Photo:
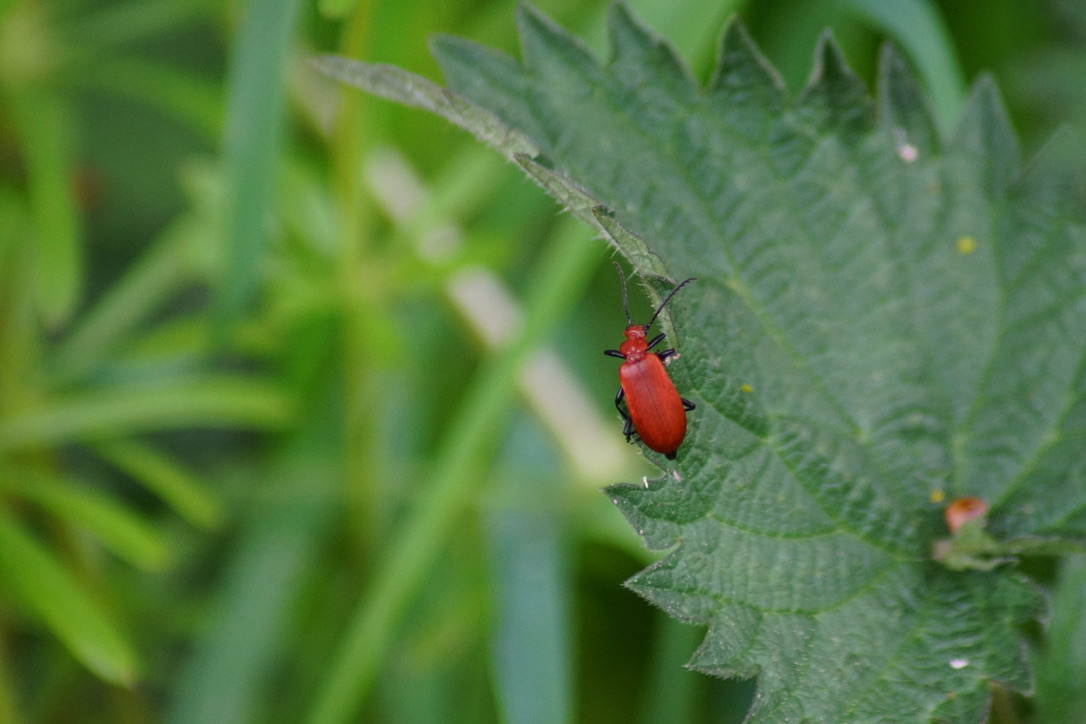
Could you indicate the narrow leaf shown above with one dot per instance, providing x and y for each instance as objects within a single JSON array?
[
  {"x": 46, "y": 589},
  {"x": 119, "y": 529},
  {"x": 42, "y": 121},
  {"x": 251, "y": 138},
  {"x": 212, "y": 402},
  {"x": 835, "y": 95},
  {"x": 399, "y": 85},
  {"x": 165, "y": 477}
]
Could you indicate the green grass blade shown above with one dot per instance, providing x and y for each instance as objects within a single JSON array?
[
  {"x": 142, "y": 290},
  {"x": 532, "y": 640},
  {"x": 194, "y": 100},
  {"x": 209, "y": 401},
  {"x": 254, "y": 125},
  {"x": 225, "y": 678},
  {"x": 41, "y": 121},
  {"x": 119, "y": 529},
  {"x": 114, "y": 24},
  {"x": 165, "y": 477},
  {"x": 43, "y": 586},
  {"x": 672, "y": 691},
  {"x": 1061, "y": 665},
  {"x": 455, "y": 481}
]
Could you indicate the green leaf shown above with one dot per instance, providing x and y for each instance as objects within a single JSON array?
[
  {"x": 42, "y": 119},
  {"x": 45, "y": 588},
  {"x": 119, "y": 529},
  {"x": 212, "y": 401},
  {"x": 282, "y": 533},
  {"x": 399, "y": 85},
  {"x": 251, "y": 139},
  {"x": 189, "y": 98},
  {"x": 165, "y": 477},
  {"x": 1061, "y": 675},
  {"x": 883, "y": 318}
]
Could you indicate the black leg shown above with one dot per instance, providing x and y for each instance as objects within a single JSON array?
[
  {"x": 687, "y": 404},
  {"x": 665, "y": 354},
  {"x": 656, "y": 340},
  {"x": 627, "y": 423}
]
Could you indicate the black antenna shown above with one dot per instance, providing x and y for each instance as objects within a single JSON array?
[
  {"x": 622, "y": 280},
  {"x": 668, "y": 299}
]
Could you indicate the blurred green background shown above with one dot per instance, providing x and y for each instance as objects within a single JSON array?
[{"x": 303, "y": 411}]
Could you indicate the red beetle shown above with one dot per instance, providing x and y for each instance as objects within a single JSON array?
[{"x": 655, "y": 410}]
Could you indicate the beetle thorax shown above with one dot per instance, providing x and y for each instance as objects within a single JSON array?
[{"x": 634, "y": 347}]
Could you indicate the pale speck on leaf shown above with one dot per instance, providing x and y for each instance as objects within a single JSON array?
[{"x": 966, "y": 245}]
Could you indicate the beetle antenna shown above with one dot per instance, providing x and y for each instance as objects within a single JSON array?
[
  {"x": 622, "y": 281},
  {"x": 668, "y": 299}
]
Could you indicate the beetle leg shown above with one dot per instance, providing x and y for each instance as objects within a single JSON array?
[
  {"x": 665, "y": 354},
  {"x": 687, "y": 404},
  {"x": 656, "y": 340},
  {"x": 627, "y": 423},
  {"x": 614, "y": 353},
  {"x": 619, "y": 397}
]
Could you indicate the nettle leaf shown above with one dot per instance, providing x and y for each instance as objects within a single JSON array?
[{"x": 884, "y": 319}]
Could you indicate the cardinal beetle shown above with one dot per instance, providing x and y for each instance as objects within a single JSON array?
[{"x": 655, "y": 411}]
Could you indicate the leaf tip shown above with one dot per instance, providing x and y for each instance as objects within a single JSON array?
[
  {"x": 985, "y": 132},
  {"x": 902, "y": 107},
  {"x": 834, "y": 94},
  {"x": 741, "y": 67},
  {"x": 532, "y": 24},
  {"x": 547, "y": 48},
  {"x": 639, "y": 51}
]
